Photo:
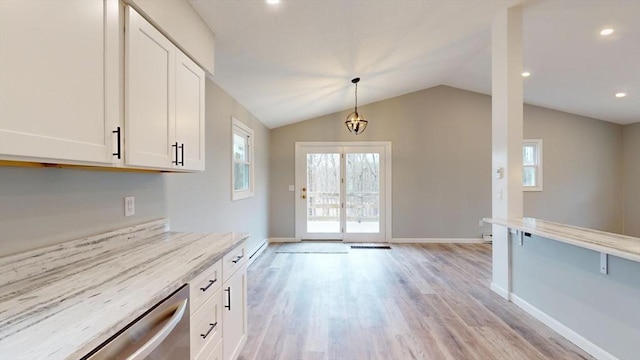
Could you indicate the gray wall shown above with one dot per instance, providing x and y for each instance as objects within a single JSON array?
[
  {"x": 631, "y": 179},
  {"x": 441, "y": 140},
  {"x": 44, "y": 206},
  {"x": 564, "y": 281},
  {"x": 582, "y": 170},
  {"x": 441, "y": 153},
  {"x": 202, "y": 201}
]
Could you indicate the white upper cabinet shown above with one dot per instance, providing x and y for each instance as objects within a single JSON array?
[
  {"x": 150, "y": 112},
  {"x": 164, "y": 107},
  {"x": 59, "y": 80},
  {"x": 190, "y": 101}
]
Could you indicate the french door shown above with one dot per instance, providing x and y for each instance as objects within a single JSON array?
[{"x": 343, "y": 191}]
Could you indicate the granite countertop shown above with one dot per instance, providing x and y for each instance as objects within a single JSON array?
[
  {"x": 62, "y": 301},
  {"x": 626, "y": 247}
]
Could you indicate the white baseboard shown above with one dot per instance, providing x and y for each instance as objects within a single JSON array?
[
  {"x": 435, "y": 241},
  {"x": 282, "y": 240},
  {"x": 500, "y": 291},
  {"x": 256, "y": 251},
  {"x": 583, "y": 343}
]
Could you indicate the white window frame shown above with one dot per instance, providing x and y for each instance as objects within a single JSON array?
[
  {"x": 239, "y": 128},
  {"x": 537, "y": 143}
]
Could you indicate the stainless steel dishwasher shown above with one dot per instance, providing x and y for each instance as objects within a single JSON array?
[{"x": 160, "y": 333}]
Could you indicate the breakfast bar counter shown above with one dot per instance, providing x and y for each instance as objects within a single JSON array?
[
  {"x": 583, "y": 283},
  {"x": 626, "y": 247}
]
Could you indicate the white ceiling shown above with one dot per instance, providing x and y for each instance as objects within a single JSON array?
[{"x": 294, "y": 61}]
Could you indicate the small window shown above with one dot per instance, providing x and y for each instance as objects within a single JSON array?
[
  {"x": 532, "y": 165},
  {"x": 242, "y": 153}
]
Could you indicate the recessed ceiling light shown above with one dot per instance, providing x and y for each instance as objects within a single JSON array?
[
  {"x": 526, "y": 74},
  {"x": 621, "y": 95},
  {"x": 606, "y": 32},
  {"x": 273, "y": 1}
]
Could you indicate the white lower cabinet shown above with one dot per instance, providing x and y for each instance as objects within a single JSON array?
[
  {"x": 206, "y": 327},
  {"x": 234, "y": 314},
  {"x": 214, "y": 354},
  {"x": 218, "y": 327}
]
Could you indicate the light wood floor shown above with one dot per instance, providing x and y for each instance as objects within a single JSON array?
[{"x": 411, "y": 302}]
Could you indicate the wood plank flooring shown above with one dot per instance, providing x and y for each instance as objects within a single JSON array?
[{"x": 412, "y": 302}]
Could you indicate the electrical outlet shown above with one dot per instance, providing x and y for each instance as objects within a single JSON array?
[
  {"x": 292, "y": 188},
  {"x": 129, "y": 206}
]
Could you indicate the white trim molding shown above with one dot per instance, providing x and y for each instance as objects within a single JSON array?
[
  {"x": 436, "y": 241},
  {"x": 579, "y": 340}
]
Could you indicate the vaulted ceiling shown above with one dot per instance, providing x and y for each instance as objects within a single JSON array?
[{"x": 294, "y": 60}]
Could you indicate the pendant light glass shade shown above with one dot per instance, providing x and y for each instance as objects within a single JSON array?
[{"x": 356, "y": 122}]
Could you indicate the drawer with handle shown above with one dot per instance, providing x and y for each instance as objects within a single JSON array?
[
  {"x": 205, "y": 285},
  {"x": 234, "y": 260},
  {"x": 206, "y": 325},
  {"x": 211, "y": 351}
]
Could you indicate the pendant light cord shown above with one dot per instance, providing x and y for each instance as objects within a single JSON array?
[{"x": 356, "y": 98}]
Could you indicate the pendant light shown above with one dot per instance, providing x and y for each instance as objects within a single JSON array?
[{"x": 356, "y": 123}]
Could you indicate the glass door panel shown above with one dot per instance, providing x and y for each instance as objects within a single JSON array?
[
  {"x": 323, "y": 211},
  {"x": 362, "y": 184},
  {"x": 342, "y": 191}
]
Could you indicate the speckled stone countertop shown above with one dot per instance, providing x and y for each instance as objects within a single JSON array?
[
  {"x": 62, "y": 301},
  {"x": 626, "y": 247}
]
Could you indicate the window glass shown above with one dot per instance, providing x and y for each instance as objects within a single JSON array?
[
  {"x": 241, "y": 178},
  {"x": 529, "y": 176},
  {"x": 239, "y": 147},
  {"x": 529, "y": 155}
]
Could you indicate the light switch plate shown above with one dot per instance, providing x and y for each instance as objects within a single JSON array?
[
  {"x": 129, "y": 206},
  {"x": 292, "y": 188}
]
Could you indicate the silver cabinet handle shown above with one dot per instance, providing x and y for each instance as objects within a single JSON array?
[
  {"x": 237, "y": 259},
  {"x": 146, "y": 349}
]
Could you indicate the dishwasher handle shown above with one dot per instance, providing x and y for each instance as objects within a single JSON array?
[{"x": 155, "y": 341}]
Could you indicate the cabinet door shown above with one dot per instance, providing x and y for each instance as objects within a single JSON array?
[
  {"x": 234, "y": 315},
  {"x": 150, "y": 79},
  {"x": 59, "y": 80},
  {"x": 190, "y": 100}
]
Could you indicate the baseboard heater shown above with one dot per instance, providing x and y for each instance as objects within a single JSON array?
[{"x": 371, "y": 247}]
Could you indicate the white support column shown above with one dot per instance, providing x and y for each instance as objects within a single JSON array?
[{"x": 507, "y": 108}]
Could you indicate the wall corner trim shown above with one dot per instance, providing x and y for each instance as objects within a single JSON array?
[
  {"x": 562, "y": 329},
  {"x": 436, "y": 241}
]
